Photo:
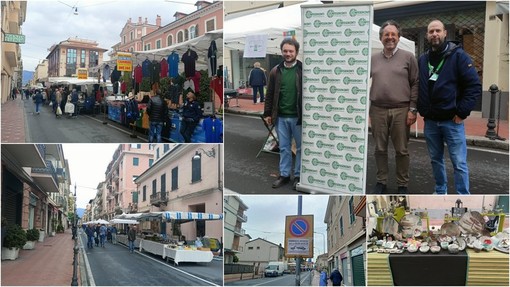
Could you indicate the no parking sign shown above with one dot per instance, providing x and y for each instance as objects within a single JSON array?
[{"x": 299, "y": 236}]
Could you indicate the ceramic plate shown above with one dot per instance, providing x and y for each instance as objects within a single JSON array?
[
  {"x": 450, "y": 229},
  {"x": 472, "y": 223}
]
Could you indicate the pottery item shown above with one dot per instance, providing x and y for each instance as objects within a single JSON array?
[
  {"x": 472, "y": 222},
  {"x": 444, "y": 245},
  {"x": 453, "y": 248},
  {"x": 462, "y": 243},
  {"x": 424, "y": 248},
  {"x": 412, "y": 248},
  {"x": 450, "y": 229},
  {"x": 435, "y": 249},
  {"x": 477, "y": 245}
]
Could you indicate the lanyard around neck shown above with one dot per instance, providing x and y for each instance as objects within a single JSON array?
[{"x": 436, "y": 70}]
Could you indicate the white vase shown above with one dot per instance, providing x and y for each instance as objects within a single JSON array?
[
  {"x": 29, "y": 245},
  {"x": 10, "y": 253},
  {"x": 41, "y": 236}
]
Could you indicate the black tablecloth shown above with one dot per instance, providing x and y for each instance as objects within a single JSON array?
[{"x": 421, "y": 269}]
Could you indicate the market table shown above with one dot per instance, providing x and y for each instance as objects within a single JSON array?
[
  {"x": 123, "y": 239},
  {"x": 182, "y": 255},
  {"x": 483, "y": 268},
  {"x": 152, "y": 247}
]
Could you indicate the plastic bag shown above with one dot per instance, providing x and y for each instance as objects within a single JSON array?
[{"x": 59, "y": 111}]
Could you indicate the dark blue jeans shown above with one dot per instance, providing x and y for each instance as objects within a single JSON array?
[
  {"x": 260, "y": 90},
  {"x": 155, "y": 132},
  {"x": 187, "y": 129}
]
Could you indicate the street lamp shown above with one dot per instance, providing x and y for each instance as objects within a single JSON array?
[
  {"x": 323, "y": 239},
  {"x": 211, "y": 153},
  {"x": 74, "y": 281}
]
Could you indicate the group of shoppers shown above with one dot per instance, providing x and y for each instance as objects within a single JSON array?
[{"x": 442, "y": 86}]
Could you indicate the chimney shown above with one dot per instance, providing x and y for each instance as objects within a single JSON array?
[
  {"x": 158, "y": 20},
  {"x": 139, "y": 20}
]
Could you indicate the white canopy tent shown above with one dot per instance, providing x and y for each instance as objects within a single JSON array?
[
  {"x": 72, "y": 80},
  {"x": 123, "y": 221},
  {"x": 274, "y": 22},
  {"x": 167, "y": 216}
]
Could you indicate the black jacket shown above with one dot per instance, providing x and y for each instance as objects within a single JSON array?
[
  {"x": 257, "y": 77},
  {"x": 157, "y": 109}
]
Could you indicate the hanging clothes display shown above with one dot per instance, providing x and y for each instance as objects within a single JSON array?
[
  {"x": 123, "y": 87},
  {"x": 173, "y": 65},
  {"x": 189, "y": 59},
  {"x": 106, "y": 73},
  {"x": 138, "y": 74},
  {"x": 155, "y": 70},
  {"x": 164, "y": 68},
  {"x": 173, "y": 93},
  {"x": 217, "y": 86},
  {"x": 212, "y": 52},
  {"x": 196, "y": 80},
  {"x": 115, "y": 76},
  {"x": 146, "y": 68},
  {"x": 188, "y": 84}
]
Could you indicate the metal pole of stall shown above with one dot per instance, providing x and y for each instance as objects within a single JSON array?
[{"x": 74, "y": 281}]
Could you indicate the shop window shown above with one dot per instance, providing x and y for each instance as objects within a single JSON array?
[
  {"x": 163, "y": 185},
  {"x": 175, "y": 178},
  {"x": 250, "y": 248},
  {"x": 158, "y": 44},
  {"x": 342, "y": 226},
  {"x": 352, "y": 217},
  {"x": 186, "y": 35},
  {"x": 166, "y": 147},
  {"x": 210, "y": 25},
  {"x": 154, "y": 184},
  {"x": 157, "y": 153},
  {"x": 196, "y": 169},
  {"x": 193, "y": 32},
  {"x": 135, "y": 161}
]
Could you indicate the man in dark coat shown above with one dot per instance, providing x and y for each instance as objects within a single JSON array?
[
  {"x": 336, "y": 277},
  {"x": 157, "y": 110},
  {"x": 257, "y": 80}
]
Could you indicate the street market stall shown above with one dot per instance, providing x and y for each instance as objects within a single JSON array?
[
  {"x": 174, "y": 80},
  {"x": 469, "y": 248},
  {"x": 177, "y": 249}
]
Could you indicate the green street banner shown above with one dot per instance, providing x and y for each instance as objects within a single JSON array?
[{"x": 336, "y": 71}]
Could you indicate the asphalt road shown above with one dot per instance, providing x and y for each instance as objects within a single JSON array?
[
  {"x": 115, "y": 266},
  {"x": 285, "y": 280},
  {"x": 247, "y": 174},
  {"x": 46, "y": 128}
]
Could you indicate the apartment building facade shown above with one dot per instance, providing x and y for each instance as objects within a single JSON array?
[{"x": 234, "y": 217}]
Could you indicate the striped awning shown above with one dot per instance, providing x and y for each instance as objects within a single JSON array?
[{"x": 181, "y": 216}]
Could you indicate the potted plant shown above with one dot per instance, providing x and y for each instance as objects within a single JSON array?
[
  {"x": 53, "y": 226},
  {"x": 4, "y": 229},
  {"x": 60, "y": 228},
  {"x": 41, "y": 235},
  {"x": 32, "y": 237},
  {"x": 15, "y": 238}
]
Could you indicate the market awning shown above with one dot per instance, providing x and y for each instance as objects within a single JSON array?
[
  {"x": 133, "y": 216},
  {"x": 123, "y": 221},
  {"x": 181, "y": 216}
]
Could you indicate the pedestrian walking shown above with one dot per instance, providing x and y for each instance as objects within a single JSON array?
[
  {"x": 257, "y": 80},
  {"x": 336, "y": 278},
  {"x": 114, "y": 235},
  {"x": 157, "y": 110},
  {"x": 38, "y": 100},
  {"x": 283, "y": 108},
  {"x": 96, "y": 234},
  {"x": 102, "y": 234},
  {"x": 323, "y": 279},
  {"x": 393, "y": 96},
  {"x": 132, "y": 238},
  {"x": 89, "y": 231},
  {"x": 448, "y": 91}
]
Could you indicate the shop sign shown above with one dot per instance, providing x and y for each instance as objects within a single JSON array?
[
  {"x": 124, "y": 62},
  {"x": 82, "y": 73},
  {"x": 14, "y": 38}
]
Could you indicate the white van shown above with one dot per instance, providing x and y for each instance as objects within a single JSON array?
[{"x": 274, "y": 269}]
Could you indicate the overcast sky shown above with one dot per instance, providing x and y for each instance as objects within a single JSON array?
[
  {"x": 266, "y": 216},
  {"x": 87, "y": 165},
  {"x": 50, "y": 22}
]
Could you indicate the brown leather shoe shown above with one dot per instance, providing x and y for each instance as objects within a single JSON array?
[{"x": 282, "y": 180}]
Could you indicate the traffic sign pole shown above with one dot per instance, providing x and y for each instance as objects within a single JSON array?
[{"x": 298, "y": 261}]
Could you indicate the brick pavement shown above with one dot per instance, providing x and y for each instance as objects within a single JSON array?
[
  {"x": 49, "y": 264},
  {"x": 475, "y": 125},
  {"x": 13, "y": 121}
]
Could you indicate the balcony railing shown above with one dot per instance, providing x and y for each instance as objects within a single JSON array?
[
  {"x": 242, "y": 217},
  {"x": 239, "y": 231},
  {"x": 159, "y": 198},
  {"x": 42, "y": 150},
  {"x": 49, "y": 169}
]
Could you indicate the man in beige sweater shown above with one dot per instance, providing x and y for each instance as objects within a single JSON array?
[{"x": 393, "y": 97}]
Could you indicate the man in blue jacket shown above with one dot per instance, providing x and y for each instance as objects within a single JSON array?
[
  {"x": 257, "y": 80},
  {"x": 449, "y": 89}
]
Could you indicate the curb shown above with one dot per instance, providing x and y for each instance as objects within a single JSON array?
[{"x": 476, "y": 141}]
